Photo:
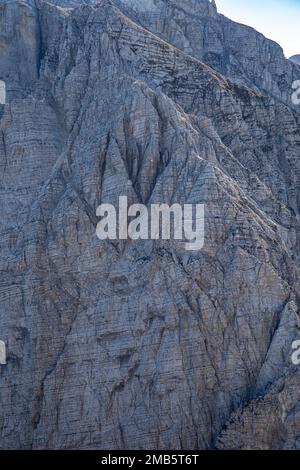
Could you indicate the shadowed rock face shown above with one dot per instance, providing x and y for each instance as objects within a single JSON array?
[{"x": 142, "y": 345}]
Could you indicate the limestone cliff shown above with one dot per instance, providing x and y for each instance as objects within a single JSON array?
[{"x": 143, "y": 345}]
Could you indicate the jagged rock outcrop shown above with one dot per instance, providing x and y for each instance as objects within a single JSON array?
[
  {"x": 142, "y": 345},
  {"x": 237, "y": 51}
]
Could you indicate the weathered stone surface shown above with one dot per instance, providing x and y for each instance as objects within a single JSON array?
[
  {"x": 143, "y": 345},
  {"x": 237, "y": 51},
  {"x": 295, "y": 59}
]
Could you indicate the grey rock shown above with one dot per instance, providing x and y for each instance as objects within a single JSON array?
[
  {"x": 141, "y": 345},
  {"x": 295, "y": 59},
  {"x": 235, "y": 50}
]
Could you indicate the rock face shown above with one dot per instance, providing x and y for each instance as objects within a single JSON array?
[
  {"x": 141, "y": 344},
  {"x": 295, "y": 59}
]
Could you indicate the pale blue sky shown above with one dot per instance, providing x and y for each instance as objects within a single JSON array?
[{"x": 276, "y": 19}]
